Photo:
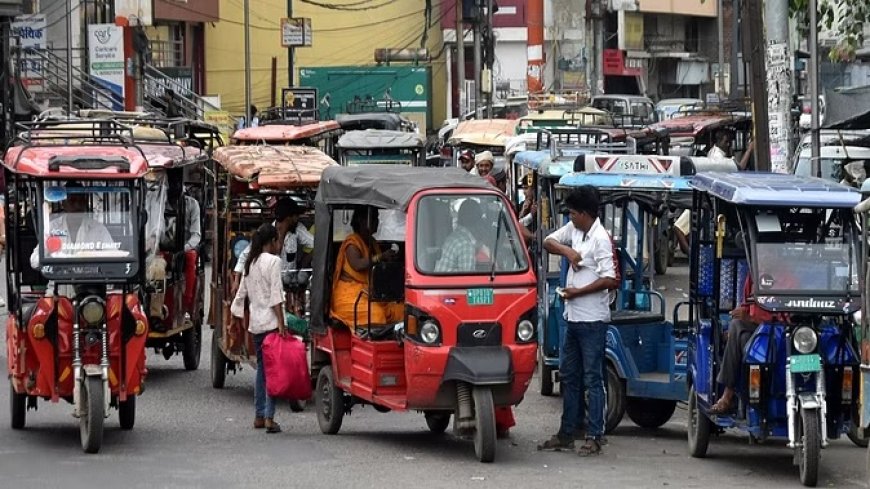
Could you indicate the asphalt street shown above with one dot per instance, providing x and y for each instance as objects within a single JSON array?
[{"x": 189, "y": 435}]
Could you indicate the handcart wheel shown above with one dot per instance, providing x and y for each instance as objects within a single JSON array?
[
  {"x": 91, "y": 414},
  {"x": 484, "y": 433}
]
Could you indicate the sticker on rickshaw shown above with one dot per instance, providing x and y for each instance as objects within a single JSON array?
[
  {"x": 801, "y": 364},
  {"x": 480, "y": 297}
]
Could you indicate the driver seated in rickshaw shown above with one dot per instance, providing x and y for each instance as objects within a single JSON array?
[
  {"x": 773, "y": 272},
  {"x": 74, "y": 227},
  {"x": 359, "y": 252},
  {"x": 192, "y": 231}
]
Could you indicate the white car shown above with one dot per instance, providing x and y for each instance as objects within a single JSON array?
[{"x": 670, "y": 107}]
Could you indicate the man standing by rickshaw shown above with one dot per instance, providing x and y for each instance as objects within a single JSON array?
[{"x": 587, "y": 246}]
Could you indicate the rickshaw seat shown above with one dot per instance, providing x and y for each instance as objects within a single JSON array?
[
  {"x": 26, "y": 243},
  {"x": 618, "y": 318}
]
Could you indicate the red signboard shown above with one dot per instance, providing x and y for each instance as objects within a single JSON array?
[{"x": 614, "y": 64}]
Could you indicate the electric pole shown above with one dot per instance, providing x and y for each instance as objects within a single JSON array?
[
  {"x": 720, "y": 27},
  {"x": 490, "y": 57},
  {"x": 754, "y": 12},
  {"x": 460, "y": 59},
  {"x": 291, "y": 51},
  {"x": 779, "y": 83},
  {"x": 477, "y": 58},
  {"x": 813, "y": 77},
  {"x": 69, "y": 75},
  {"x": 248, "y": 114}
]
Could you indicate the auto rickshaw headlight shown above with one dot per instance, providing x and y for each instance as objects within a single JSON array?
[
  {"x": 93, "y": 310},
  {"x": 430, "y": 332},
  {"x": 805, "y": 340},
  {"x": 525, "y": 331}
]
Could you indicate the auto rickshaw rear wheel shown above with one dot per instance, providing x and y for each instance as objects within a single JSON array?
[
  {"x": 192, "y": 346},
  {"x": 698, "y": 429},
  {"x": 91, "y": 414},
  {"x": 547, "y": 384},
  {"x": 809, "y": 434},
  {"x": 855, "y": 435},
  {"x": 437, "y": 421},
  {"x": 650, "y": 413},
  {"x": 218, "y": 361},
  {"x": 484, "y": 417},
  {"x": 329, "y": 402},
  {"x": 615, "y": 399},
  {"x": 17, "y": 408},
  {"x": 127, "y": 413},
  {"x": 662, "y": 246}
]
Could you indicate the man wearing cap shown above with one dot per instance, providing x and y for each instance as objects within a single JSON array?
[
  {"x": 484, "y": 162},
  {"x": 294, "y": 237},
  {"x": 466, "y": 160}
]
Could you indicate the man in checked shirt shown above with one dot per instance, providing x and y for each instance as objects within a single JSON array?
[{"x": 460, "y": 248}]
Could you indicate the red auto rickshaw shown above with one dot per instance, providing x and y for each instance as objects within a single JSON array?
[
  {"x": 76, "y": 329},
  {"x": 465, "y": 339}
]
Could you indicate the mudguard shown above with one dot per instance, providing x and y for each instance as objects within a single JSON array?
[
  {"x": 479, "y": 365},
  {"x": 807, "y": 400}
]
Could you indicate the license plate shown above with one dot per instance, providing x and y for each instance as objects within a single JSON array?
[
  {"x": 480, "y": 297},
  {"x": 801, "y": 364}
]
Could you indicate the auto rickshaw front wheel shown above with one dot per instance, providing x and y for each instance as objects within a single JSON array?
[
  {"x": 127, "y": 413},
  {"x": 615, "y": 391},
  {"x": 192, "y": 339},
  {"x": 17, "y": 408},
  {"x": 809, "y": 451},
  {"x": 698, "y": 429},
  {"x": 547, "y": 384},
  {"x": 91, "y": 414},
  {"x": 329, "y": 402},
  {"x": 484, "y": 432}
]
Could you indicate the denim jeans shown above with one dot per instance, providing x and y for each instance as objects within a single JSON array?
[
  {"x": 264, "y": 406},
  {"x": 581, "y": 408},
  {"x": 581, "y": 368}
]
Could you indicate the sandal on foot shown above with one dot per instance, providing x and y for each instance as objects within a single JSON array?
[
  {"x": 556, "y": 444},
  {"x": 591, "y": 447},
  {"x": 273, "y": 428},
  {"x": 720, "y": 408}
]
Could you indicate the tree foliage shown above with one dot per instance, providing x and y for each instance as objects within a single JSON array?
[{"x": 845, "y": 17}]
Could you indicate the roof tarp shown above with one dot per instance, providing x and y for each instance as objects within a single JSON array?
[
  {"x": 847, "y": 110},
  {"x": 377, "y": 138}
]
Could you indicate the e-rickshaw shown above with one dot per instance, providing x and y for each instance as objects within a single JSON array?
[
  {"x": 77, "y": 328},
  {"x": 388, "y": 121},
  {"x": 465, "y": 343},
  {"x": 646, "y": 350},
  {"x": 694, "y": 133},
  {"x": 790, "y": 246},
  {"x": 247, "y": 179},
  {"x": 175, "y": 265},
  {"x": 379, "y": 146},
  {"x": 482, "y": 135}
]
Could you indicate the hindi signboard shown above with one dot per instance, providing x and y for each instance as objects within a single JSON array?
[
  {"x": 296, "y": 32},
  {"x": 300, "y": 103},
  {"x": 29, "y": 31}
]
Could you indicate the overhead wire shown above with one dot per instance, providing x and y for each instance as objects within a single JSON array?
[{"x": 349, "y": 7}]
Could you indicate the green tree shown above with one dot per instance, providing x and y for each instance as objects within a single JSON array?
[{"x": 845, "y": 17}]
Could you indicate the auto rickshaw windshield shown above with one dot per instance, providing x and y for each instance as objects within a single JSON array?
[
  {"x": 467, "y": 234},
  {"x": 797, "y": 253},
  {"x": 87, "y": 222}
]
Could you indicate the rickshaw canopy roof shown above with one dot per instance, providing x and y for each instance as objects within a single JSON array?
[
  {"x": 78, "y": 161},
  {"x": 776, "y": 190},
  {"x": 274, "y": 167},
  {"x": 484, "y": 132},
  {"x": 389, "y": 186},
  {"x": 615, "y": 181},
  {"x": 532, "y": 159},
  {"x": 284, "y": 133},
  {"x": 379, "y": 138},
  {"x": 170, "y": 155},
  {"x": 378, "y": 120},
  {"x": 695, "y": 123}
]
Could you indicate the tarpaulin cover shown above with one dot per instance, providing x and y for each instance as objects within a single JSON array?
[
  {"x": 274, "y": 166},
  {"x": 847, "y": 110}
]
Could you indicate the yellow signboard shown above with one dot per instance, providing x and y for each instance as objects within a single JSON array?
[{"x": 225, "y": 122}]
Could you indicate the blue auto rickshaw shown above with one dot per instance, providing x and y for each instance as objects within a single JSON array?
[{"x": 792, "y": 245}]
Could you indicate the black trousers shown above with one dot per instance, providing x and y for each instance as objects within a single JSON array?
[{"x": 739, "y": 333}]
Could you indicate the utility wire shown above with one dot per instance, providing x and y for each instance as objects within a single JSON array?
[{"x": 349, "y": 7}]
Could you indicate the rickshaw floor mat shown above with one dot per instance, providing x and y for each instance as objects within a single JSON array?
[{"x": 636, "y": 317}]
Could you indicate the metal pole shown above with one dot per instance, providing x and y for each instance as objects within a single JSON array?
[
  {"x": 490, "y": 48},
  {"x": 599, "y": 49},
  {"x": 291, "y": 52},
  {"x": 779, "y": 83},
  {"x": 460, "y": 59},
  {"x": 720, "y": 24},
  {"x": 755, "y": 12},
  {"x": 477, "y": 62},
  {"x": 69, "y": 82},
  {"x": 813, "y": 78},
  {"x": 247, "y": 8},
  {"x": 735, "y": 49}
]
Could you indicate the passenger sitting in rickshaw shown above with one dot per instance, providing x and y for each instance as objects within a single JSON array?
[
  {"x": 192, "y": 231},
  {"x": 358, "y": 254},
  {"x": 745, "y": 318},
  {"x": 460, "y": 248},
  {"x": 74, "y": 226},
  {"x": 466, "y": 161},
  {"x": 295, "y": 238}
]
